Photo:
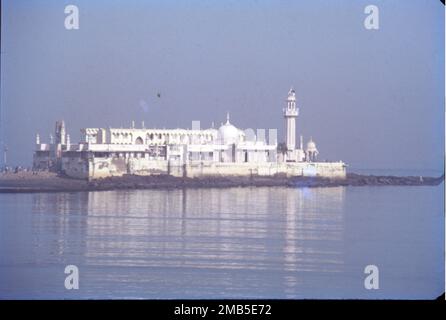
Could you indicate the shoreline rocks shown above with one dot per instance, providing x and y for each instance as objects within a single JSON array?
[{"x": 51, "y": 182}]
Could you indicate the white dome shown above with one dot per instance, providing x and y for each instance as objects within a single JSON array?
[
  {"x": 228, "y": 134},
  {"x": 291, "y": 95},
  {"x": 311, "y": 146}
]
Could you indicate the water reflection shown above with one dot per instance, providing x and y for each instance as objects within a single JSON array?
[
  {"x": 59, "y": 224},
  {"x": 224, "y": 243},
  {"x": 236, "y": 240}
]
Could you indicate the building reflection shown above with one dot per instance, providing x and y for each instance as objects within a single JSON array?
[
  {"x": 58, "y": 226},
  {"x": 313, "y": 242},
  {"x": 284, "y": 234}
]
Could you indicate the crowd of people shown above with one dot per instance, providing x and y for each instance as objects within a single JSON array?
[{"x": 17, "y": 169}]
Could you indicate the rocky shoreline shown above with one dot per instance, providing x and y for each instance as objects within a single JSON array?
[{"x": 49, "y": 182}]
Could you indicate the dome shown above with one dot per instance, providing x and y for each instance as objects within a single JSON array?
[
  {"x": 292, "y": 95},
  {"x": 227, "y": 133},
  {"x": 311, "y": 145}
]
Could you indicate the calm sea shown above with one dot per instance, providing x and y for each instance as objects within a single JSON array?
[{"x": 224, "y": 243}]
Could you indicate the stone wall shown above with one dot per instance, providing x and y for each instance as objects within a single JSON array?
[
  {"x": 106, "y": 167},
  {"x": 147, "y": 167},
  {"x": 325, "y": 169},
  {"x": 75, "y": 167}
]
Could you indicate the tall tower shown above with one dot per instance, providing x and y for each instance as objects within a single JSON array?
[
  {"x": 60, "y": 132},
  {"x": 290, "y": 113}
]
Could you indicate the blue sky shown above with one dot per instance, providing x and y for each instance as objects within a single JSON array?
[{"x": 373, "y": 98}]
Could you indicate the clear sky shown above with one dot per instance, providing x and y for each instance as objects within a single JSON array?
[{"x": 373, "y": 98}]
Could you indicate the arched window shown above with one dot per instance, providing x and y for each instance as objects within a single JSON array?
[{"x": 139, "y": 140}]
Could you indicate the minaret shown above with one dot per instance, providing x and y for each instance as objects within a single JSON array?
[
  {"x": 60, "y": 132},
  {"x": 290, "y": 113}
]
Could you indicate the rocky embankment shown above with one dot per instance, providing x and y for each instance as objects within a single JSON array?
[{"x": 50, "y": 182}]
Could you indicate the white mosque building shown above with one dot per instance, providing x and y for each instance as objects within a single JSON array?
[{"x": 228, "y": 151}]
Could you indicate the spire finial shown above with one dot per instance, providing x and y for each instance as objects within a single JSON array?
[{"x": 227, "y": 117}]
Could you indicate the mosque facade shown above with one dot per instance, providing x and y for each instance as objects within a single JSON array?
[{"x": 196, "y": 152}]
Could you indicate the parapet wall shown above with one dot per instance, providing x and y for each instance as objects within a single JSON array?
[
  {"x": 75, "y": 167},
  {"x": 325, "y": 169},
  {"x": 106, "y": 167}
]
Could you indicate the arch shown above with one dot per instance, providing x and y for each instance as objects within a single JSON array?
[{"x": 139, "y": 140}]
